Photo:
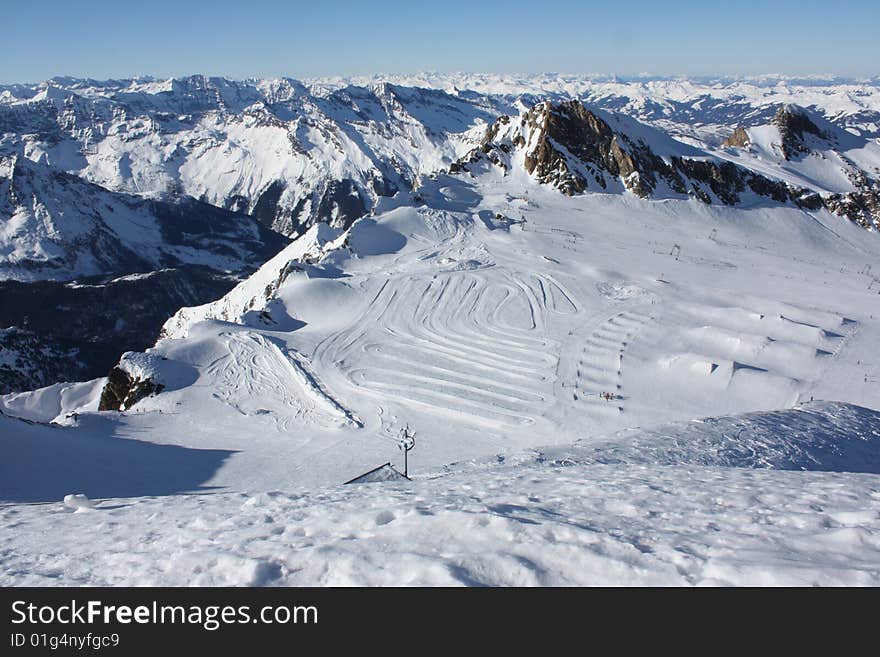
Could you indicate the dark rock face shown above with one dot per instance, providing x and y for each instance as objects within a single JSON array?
[
  {"x": 338, "y": 203},
  {"x": 266, "y": 208},
  {"x": 591, "y": 140},
  {"x": 863, "y": 207},
  {"x": 123, "y": 391},
  {"x": 793, "y": 124},
  {"x": 574, "y": 149},
  {"x": 341, "y": 204},
  {"x": 29, "y": 360},
  {"x": 545, "y": 161},
  {"x": 725, "y": 179},
  {"x": 212, "y": 230},
  {"x": 77, "y": 331}
]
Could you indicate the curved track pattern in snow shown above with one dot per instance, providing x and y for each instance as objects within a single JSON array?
[
  {"x": 257, "y": 378},
  {"x": 467, "y": 344}
]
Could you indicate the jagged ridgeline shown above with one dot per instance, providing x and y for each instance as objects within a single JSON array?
[
  {"x": 291, "y": 154},
  {"x": 576, "y": 150},
  {"x": 286, "y": 154}
]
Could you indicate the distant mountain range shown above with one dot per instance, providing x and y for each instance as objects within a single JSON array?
[{"x": 293, "y": 153}]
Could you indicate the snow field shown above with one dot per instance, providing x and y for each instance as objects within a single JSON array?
[{"x": 506, "y": 526}]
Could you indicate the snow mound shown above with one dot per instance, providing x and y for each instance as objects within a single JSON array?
[
  {"x": 247, "y": 302},
  {"x": 818, "y": 436},
  {"x": 56, "y": 403},
  {"x": 78, "y": 501}
]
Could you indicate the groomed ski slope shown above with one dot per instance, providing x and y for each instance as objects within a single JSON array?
[
  {"x": 592, "y": 315},
  {"x": 495, "y": 317}
]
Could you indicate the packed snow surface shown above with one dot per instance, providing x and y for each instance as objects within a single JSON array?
[{"x": 533, "y": 522}]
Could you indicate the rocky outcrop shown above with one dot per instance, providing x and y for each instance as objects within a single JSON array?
[
  {"x": 862, "y": 207},
  {"x": 793, "y": 123},
  {"x": 338, "y": 203},
  {"x": 123, "y": 390},
  {"x": 739, "y": 139},
  {"x": 574, "y": 149}
]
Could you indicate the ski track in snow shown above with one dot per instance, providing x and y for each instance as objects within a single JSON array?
[
  {"x": 455, "y": 343},
  {"x": 599, "y": 368},
  {"x": 257, "y": 378}
]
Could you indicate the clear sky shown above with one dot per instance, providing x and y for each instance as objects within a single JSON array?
[{"x": 261, "y": 38}]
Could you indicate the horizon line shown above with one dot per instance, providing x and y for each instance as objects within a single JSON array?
[{"x": 625, "y": 77}]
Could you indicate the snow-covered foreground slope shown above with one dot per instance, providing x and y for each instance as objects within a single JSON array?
[{"x": 549, "y": 520}]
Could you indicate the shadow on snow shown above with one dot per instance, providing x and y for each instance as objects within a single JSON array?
[{"x": 43, "y": 463}]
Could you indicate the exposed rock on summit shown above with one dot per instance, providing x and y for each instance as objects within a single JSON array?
[
  {"x": 575, "y": 149},
  {"x": 739, "y": 139},
  {"x": 793, "y": 123}
]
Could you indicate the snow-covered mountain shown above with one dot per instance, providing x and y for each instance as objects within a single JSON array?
[
  {"x": 576, "y": 150},
  {"x": 802, "y": 148},
  {"x": 57, "y": 226},
  {"x": 291, "y": 153},
  {"x": 629, "y": 354},
  {"x": 274, "y": 149},
  {"x": 701, "y": 109}
]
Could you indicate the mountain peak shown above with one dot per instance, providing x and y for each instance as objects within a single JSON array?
[
  {"x": 794, "y": 122},
  {"x": 576, "y": 149}
]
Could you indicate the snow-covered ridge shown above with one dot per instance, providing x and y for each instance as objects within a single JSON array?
[
  {"x": 247, "y": 302},
  {"x": 576, "y": 150},
  {"x": 57, "y": 226},
  {"x": 293, "y": 153}
]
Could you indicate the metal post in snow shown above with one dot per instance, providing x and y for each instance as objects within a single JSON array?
[{"x": 407, "y": 442}]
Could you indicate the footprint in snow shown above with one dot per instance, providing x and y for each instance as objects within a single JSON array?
[{"x": 385, "y": 517}]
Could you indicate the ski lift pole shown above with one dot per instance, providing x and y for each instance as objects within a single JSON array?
[{"x": 407, "y": 442}]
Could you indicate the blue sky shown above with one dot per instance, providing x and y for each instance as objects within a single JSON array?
[{"x": 103, "y": 39}]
